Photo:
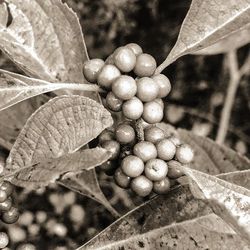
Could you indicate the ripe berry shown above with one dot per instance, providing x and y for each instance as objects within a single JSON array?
[
  {"x": 184, "y": 154},
  {"x": 113, "y": 103},
  {"x": 133, "y": 108},
  {"x": 4, "y": 240},
  {"x": 108, "y": 74},
  {"x": 125, "y": 134},
  {"x": 112, "y": 146},
  {"x": 164, "y": 85},
  {"x": 156, "y": 169},
  {"x": 109, "y": 167},
  {"x": 124, "y": 59},
  {"x": 132, "y": 166},
  {"x": 141, "y": 185},
  {"x": 147, "y": 89},
  {"x": 153, "y": 134},
  {"x": 145, "y": 65},
  {"x": 124, "y": 87},
  {"x": 7, "y": 187},
  {"x": 3, "y": 195},
  {"x": 135, "y": 48},
  {"x": 11, "y": 216},
  {"x": 173, "y": 171},
  {"x": 6, "y": 205},
  {"x": 121, "y": 179},
  {"x": 162, "y": 186},
  {"x": 152, "y": 112},
  {"x": 91, "y": 69},
  {"x": 145, "y": 150},
  {"x": 166, "y": 149}
]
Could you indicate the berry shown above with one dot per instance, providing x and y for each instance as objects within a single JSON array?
[
  {"x": 109, "y": 167},
  {"x": 156, "y": 169},
  {"x": 145, "y": 150},
  {"x": 132, "y": 166},
  {"x": 133, "y": 108},
  {"x": 160, "y": 101},
  {"x": 7, "y": 187},
  {"x": 175, "y": 140},
  {"x": 113, "y": 103},
  {"x": 113, "y": 147},
  {"x": 153, "y": 134},
  {"x": 6, "y": 205},
  {"x": 11, "y": 216},
  {"x": 164, "y": 85},
  {"x": 141, "y": 185},
  {"x": 124, "y": 87},
  {"x": 162, "y": 186},
  {"x": 121, "y": 179},
  {"x": 166, "y": 149},
  {"x": 108, "y": 74},
  {"x": 124, "y": 59},
  {"x": 4, "y": 240},
  {"x": 184, "y": 154},
  {"x": 125, "y": 134},
  {"x": 91, "y": 69},
  {"x": 147, "y": 89},
  {"x": 3, "y": 195},
  {"x": 173, "y": 171},
  {"x": 106, "y": 135},
  {"x": 135, "y": 48},
  {"x": 145, "y": 65},
  {"x": 152, "y": 112}
]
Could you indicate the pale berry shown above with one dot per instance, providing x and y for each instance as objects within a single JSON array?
[
  {"x": 7, "y": 187},
  {"x": 162, "y": 186},
  {"x": 142, "y": 186},
  {"x": 184, "y": 154},
  {"x": 121, "y": 179},
  {"x": 106, "y": 135},
  {"x": 133, "y": 108},
  {"x": 152, "y": 112},
  {"x": 125, "y": 134},
  {"x": 145, "y": 65},
  {"x": 164, "y": 85},
  {"x": 156, "y": 169},
  {"x": 135, "y": 48},
  {"x": 113, "y": 103},
  {"x": 91, "y": 69},
  {"x": 160, "y": 101},
  {"x": 145, "y": 150},
  {"x": 6, "y": 205},
  {"x": 132, "y": 166},
  {"x": 175, "y": 140},
  {"x": 11, "y": 216},
  {"x": 147, "y": 89},
  {"x": 166, "y": 149},
  {"x": 3, "y": 195},
  {"x": 153, "y": 134},
  {"x": 174, "y": 169},
  {"x": 113, "y": 147},
  {"x": 4, "y": 240},
  {"x": 124, "y": 59}
]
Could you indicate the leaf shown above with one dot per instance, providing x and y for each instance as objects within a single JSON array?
[
  {"x": 15, "y": 88},
  {"x": 44, "y": 39},
  {"x": 206, "y": 23}
]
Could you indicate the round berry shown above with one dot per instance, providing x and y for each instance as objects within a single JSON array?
[
  {"x": 147, "y": 89},
  {"x": 121, "y": 179},
  {"x": 91, "y": 69},
  {"x": 135, "y": 48},
  {"x": 109, "y": 167},
  {"x": 124, "y": 87},
  {"x": 153, "y": 134},
  {"x": 152, "y": 112},
  {"x": 162, "y": 186},
  {"x": 175, "y": 140},
  {"x": 141, "y": 185},
  {"x": 164, "y": 85},
  {"x": 113, "y": 103},
  {"x": 7, "y": 187},
  {"x": 166, "y": 149},
  {"x": 145, "y": 65},
  {"x": 125, "y": 134},
  {"x": 3, "y": 195},
  {"x": 106, "y": 135},
  {"x": 184, "y": 154},
  {"x": 156, "y": 169},
  {"x": 133, "y": 108},
  {"x": 113, "y": 147},
  {"x": 132, "y": 166},
  {"x": 4, "y": 240},
  {"x": 11, "y": 216},
  {"x": 124, "y": 59},
  {"x": 174, "y": 171},
  {"x": 108, "y": 74},
  {"x": 160, "y": 101},
  {"x": 145, "y": 150},
  {"x": 6, "y": 205}
]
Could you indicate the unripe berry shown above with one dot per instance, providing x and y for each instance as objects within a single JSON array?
[
  {"x": 124, "y": 87},
  {"x": 145, "y": 65},
  {"x": 125, "y": 134},
  {"x": 91, "y": 69},
  {"x": 113, "y": 103},
  {"x": 173, "y": 169},
  {"x": 153, "y": 134},
  {"x": 166, "y": 149},
  {"x": 121, "y": 179},
  {"x": 156, "y": 169},
  {"x": 133, "y": 108},
  {"x": 109, "y": 167},
  {"x": 132, "y": 166},
  {"x": 124, "y": 59},
  {"x": 152, "y": 112},
  {"x": 3, "y": 195},
  {"x": 135, "y": 48},
  {"x": 164, "y": 85},
  {"x": 7, "y": 187},
  {"x": 6, "y": 205},
  {"x": 108, "y": 74},
  {"x": 142, "y": 186},
  {"x": 11, "y": 216},
  {"x": 145, "y": 150},
  {"x": 162, "y": 186},
  {"x": 4, "y": 240},
  {"x": 106, "y": 135},
  {"x": 184, "y": 154},
  {"x": 147, "y": 89},
  {"x": 113, "y": 147}
]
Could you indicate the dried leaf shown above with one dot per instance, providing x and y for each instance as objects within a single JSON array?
[{"x": 206, "y": 23}]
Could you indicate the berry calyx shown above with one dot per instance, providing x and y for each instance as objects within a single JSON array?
[
  {"x": 142, "y": 186},
  {"x": 156, "y": 169},
  {"x": 91, "y": 69},
  {"x": 132, "y": 166},
  {"x": 125, "y": 134},
  {"x": 11, "y": 216},
  {"x": 124, "y": 59},
  {"x": 145, "y": 150},
  {"x": 147, "y": 89},
  {"x": 145, "y": 65}
]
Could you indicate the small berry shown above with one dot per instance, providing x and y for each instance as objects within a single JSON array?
[
  {"x": 113, "y": 103},
  {"x": 113, "y": 147},
  {"x": 7, "y": 187},
  {"x": 121, "y": 179},
  {"x": 109, "y": 167},
  {"x": 124, "y": 87},
  {"x": 173, "y": 171},
  {"x": 4, "y": 240},
  {"x": 166, "y": 149},
  {"x": 153, "y": 134},
  {"x": 164, "y": 85},
  {"x": 125, "y": 134},
  {"x": 6, "y": 205},
  {"x": 133, "y": 108},
  {"x": 135, "y": 48},
  {"x": 108, "y": 74},
  {"x": 11, "y": 216},
  {"x": 124, "y": 59},
  {"x": 152, "y": 112},
  {"x": 91, "y": 69},
  {"x": 142, "y": 186},
  {"x": 162, "y": 186},
  {"x": 156, "y": 169},
  {"x": 184, "y": 154},
  {"x": 175, "y": 140},
  {"x": 145, "y": 150},
  {"x": 106, "y": 135},
  {"x": 132, "y": 166},
  {"x": 147, "y": 89},
  {"x": 145, "y": 65},
  {"x": 160, "y": 101},
  {"x": 3, "y": 195}
]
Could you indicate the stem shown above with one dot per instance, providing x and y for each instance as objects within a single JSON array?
[{"x": 139, "y": 130}]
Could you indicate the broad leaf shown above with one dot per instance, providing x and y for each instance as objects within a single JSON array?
[{"x": 206, "y": 23}]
